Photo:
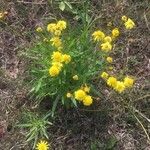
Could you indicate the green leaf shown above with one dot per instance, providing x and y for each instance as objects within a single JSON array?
[
  {"x": 44, "y": 133},
  {"x": 46, "y": 116},
  {"x": 68, "y": 4},
  {"x": 31, "y": 135},
  {"x": 88, "y": 19},
  {"x": 38, "y": 85},
  {"x": 62, "y": 6},
  {"x": 33, "y": 89},
  {"x": 63, "y": 100},
  {"x": 55, "y": 105},
  {"x": 74, "y": 102},
  {"x": 30, "y": 138}
]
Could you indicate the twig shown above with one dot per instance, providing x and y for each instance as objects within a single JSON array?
[
  {"x": 141, "y": 114},
  {"x": 36, "y": 3},
  {"x": 142, "y": 127},
  {"x": 146, "y": 21},
  {"x": 145, "y": 96},
  {"x": 98, "y": 110},
  {"x": 133, "y": 110}
]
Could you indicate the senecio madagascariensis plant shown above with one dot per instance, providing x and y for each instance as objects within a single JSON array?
[
  {"x": 62, "y": 64},
  {"x": 58, "y": 60}
]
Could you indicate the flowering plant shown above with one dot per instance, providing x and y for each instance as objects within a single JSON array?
[{"x": 65, "y": 63}]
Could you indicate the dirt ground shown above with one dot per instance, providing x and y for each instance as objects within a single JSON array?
[{"x": 79, "y": 129}]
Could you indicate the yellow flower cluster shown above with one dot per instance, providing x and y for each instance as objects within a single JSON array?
[
  {"x": 119, "y": 86},
  {"x": 106, "y": 46},
  {"x": 56, "y": 41},
  {"x": 115, "y": 33},
  {"x": 54, "y": 71},
  {"x": 82, "y": 95},
  {"x": 42, "y": 145},
  {"x": 104, "y": 75},
  {"x": 129, "y": 23},
  {"x": 109, "y": 59},
  {"x": 58, "y": 60},
  {"x": 98, "y": 35},
  {"x": 106, "y": 41},
  {"x": 56, "y": 30}
]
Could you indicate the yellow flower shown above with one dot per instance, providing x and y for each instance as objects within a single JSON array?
[
  {"x": 66, "y": 58},
  {"x": 109, "y": 24},
  {"x": 80, "y": 95},
  {"x": 98, "y": 35},
  {"x": 51, "y": 27},
  {"x": 69, "y": 95},
  {"x": 106, "y": 46},
  {"x": 124, "y": 18},
  {"x": 115, "y": 32},
  {"x": 86, "y": 89},
  {"x": 56, "y": 41},
  {"x": 104, "y": 75},
  {"x": 61, "y": 25},
  {"x": 39, "y": 29},
  {"x": 112, "y": 81},
  {"x": 75, "y": 77},
  {"x": 57, "y": 32},
  {"x": 87, "y": 101},
  {"x": 108, "y": 39},
  {"x": 119, "y": 87},
  {"x": 129, "y": 24},
  {"x": 54, "y": 71},
  {"x": 110, "y": 67},
  {"x": 109, "y": 59},
  {"x": 128, "y": 82},
  {"x": 58, "y": 65},
  {"x": 42, "y": 145},
  {"x": 57, "y": 56}
]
